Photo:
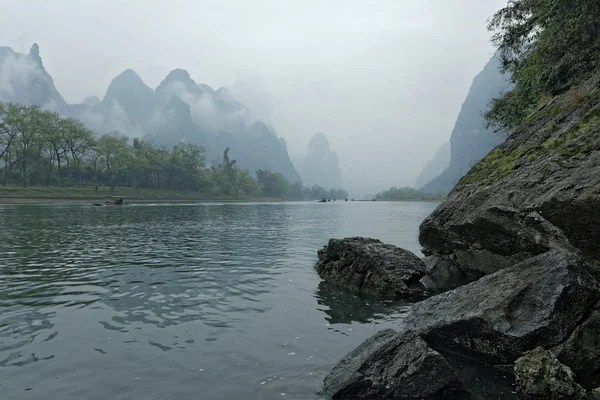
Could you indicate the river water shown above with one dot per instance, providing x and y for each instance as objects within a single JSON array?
[{"x": 203, "y": 301}]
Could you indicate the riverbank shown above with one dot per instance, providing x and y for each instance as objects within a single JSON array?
[{"x": 56, "y": 195}]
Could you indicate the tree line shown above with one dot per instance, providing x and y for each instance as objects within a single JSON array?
[
  {"x": 41, "y": 148},
  {"x": 408, "y": 193}
]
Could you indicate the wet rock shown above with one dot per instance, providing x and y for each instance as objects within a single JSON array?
[
  {"x": 538, "y": 302},
  {"x": 443, "y": 274},
  {"x": 581, "y": 351},
  {"x": 370, "y": 266},
  {"x": 396, "y": 366},
  {"x": 594, "y": 394},
  {"x": 538, "y": 191},
  {"x": 540, "y": 376}
]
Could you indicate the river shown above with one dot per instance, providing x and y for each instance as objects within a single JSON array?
[{"x": 200, "y": 301}]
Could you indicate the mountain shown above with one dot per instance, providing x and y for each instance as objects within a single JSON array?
[
  {"x": 23, "y": 79},
  {"x": 178, "y": 110},
  {"x": 470, "y": 139},
  {"x": 320, "y": 166},
  {"x": 435, "y": 167}
]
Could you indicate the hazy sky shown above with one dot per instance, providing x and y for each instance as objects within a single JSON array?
[{"x": 384, "y": 80}]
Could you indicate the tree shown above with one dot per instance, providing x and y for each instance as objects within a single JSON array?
[
  {"x": 296, "y": 191},
  {"x": 113, "y": 150},
  {"x": 273, "y": 184},
  {"x": 244, "y": 182},
  {"x": 547, "y": 46}
]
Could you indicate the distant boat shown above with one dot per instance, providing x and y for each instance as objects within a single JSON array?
[
  {"x": 116, "y": 201},
  {"x": 323, "y": 200}
]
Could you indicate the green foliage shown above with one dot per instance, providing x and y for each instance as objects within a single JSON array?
[
  {"x": 494, "y": 166},
  {"x": 408, "y": 193},
  {"x": 272, "y": 184},
  {"x": 547, "y": 46},
  {"x": 41, "y": 148}
]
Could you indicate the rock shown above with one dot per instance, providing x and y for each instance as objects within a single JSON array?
[
  {"x": 391, "y": 365},
  {"x": 539, "y": 375},
  {"x": 538, "y": 191},
  {"x": 538, "y": 302},
  {"x": 594, "y": 394},
  {"x": 443, "y": 274},
  {"x": 372, "y": 267},
  {"x": 581, "y": 351}
]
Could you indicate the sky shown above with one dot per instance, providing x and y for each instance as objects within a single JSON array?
[{"x": 384, "y": 80}]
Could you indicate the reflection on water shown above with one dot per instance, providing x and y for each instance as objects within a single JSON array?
[
  {"x": 345, "y": 307},
  {"x": 212, "y": 301}
]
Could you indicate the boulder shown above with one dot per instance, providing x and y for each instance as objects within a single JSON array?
[
  {"x": 443, "y": 274},
  {"x": 538, "y": 302},
  {"x": 395, "y": 366},
  {"x": 594, "y": 394},
  {"x": 581, "y": 351},
  {"x": 537, "y": 191},
  {"x": 540, "y": 376},
  {"x": 371, "y": 267}
]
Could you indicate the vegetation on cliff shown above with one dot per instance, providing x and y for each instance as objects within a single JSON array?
[{"x": 548, "y": 46}]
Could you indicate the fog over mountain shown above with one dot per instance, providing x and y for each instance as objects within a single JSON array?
[{"x": 385, "y": 81}]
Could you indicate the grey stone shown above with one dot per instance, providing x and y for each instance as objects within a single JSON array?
[
  {"x": 538, "y": 302},
  {"x": 540, "y": 376},
  {"x": 396, "y": 366},
  {"x": 370, "y": 266}
]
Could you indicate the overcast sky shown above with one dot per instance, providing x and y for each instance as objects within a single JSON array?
[{"x": 384, "y": 80}]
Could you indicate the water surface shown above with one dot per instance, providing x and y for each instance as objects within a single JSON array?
[{"x": 204, "y": 301}]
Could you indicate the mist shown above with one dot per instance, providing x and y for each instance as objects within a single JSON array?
[{"x": 384, "y": 81}]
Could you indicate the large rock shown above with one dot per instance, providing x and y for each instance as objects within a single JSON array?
[
  {"x": 538, "y": 302},
  {"x": 581, "y": 351},
  {"x": 538, "y": 191},
  {"x": 395, "y": 366},
  {"x": 443, "y": 274},
  {"x": 370, "y": 266},
  {"x": 540, "y": 376}
]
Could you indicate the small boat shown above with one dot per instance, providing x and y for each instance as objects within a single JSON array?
[
  {"x": 323, "y": 200},
  {"x": 116, "y": 201}
]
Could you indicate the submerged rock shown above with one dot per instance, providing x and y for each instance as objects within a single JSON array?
[
  {"x": 370, "y": 266},
  {"x": 395, "y": 366},
  {"x": 540, "y": 376},
  {"x": 538, "y": 302}
]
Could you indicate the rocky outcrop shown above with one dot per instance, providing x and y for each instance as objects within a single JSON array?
[
  {"x": 540, "y": 376},
  {"x": 538, "y": 302},
  {"x": 538, "y": 191},
  {"x": 581, "y": 350},
  {"x": 372, "y": 267},
  {"x": 443, "y": 274},
  {"x": 394, "y": 366}
]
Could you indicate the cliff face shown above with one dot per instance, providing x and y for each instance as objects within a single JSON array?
[
  {"x": 23, "y": 79},
  {"x": 537, "y": 191},
  {"x": 470, "y": 140},
  {"x": 320, "y": 166},
  {"x": 435, "y": 167}
]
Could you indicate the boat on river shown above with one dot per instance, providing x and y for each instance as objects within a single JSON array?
[{"x": 114, "y": 201}]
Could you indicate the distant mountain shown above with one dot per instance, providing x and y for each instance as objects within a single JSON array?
[
  {"x": 320, "y": 166},
  {"x": 23, "y": 79},
  {"x": 470, "y": 140},
  {"x": 435, "y": 167},
  {"x": 179, "y": 110}
]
